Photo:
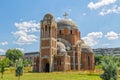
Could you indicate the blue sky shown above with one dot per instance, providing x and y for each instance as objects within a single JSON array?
[{"x": 97, "y": 20}]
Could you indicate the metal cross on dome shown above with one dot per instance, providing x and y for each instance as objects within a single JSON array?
[{"x": 65, "y": 15}]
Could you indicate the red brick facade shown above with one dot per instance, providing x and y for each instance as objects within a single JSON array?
[
  {"x": 60, "y": 48},
  {"x": 87, "y": 61}
]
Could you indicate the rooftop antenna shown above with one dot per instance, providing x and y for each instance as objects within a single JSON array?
[{"x": 65, "y": 15}]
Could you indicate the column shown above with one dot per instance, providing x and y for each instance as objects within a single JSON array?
[{"x": 74, "y": 60}]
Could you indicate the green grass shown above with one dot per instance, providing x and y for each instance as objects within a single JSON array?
[
  {"x": 71, "y": 75},
  {"x": 98, "y": 67},
  {"x": 54, "y": 76}
]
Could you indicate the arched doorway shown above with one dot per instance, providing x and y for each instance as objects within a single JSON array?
[{"x": 47, "y": 67}]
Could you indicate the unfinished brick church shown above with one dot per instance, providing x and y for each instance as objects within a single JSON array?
[{"x": 61, "y": 47}]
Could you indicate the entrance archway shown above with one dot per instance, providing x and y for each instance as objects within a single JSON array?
[{"x": 47, "y": 67}]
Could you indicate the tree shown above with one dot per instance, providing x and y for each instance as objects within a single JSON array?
[
  {"x": 30, "y": 62},
  {"x": 14, "y": 54},
  {"x": 98, "y": 59},
  {"x": 3, "y": 65},
  {"x": 25, "y": 63},
  {"x": 118, "y": 60},
  {"x": 110, "y": 68},
  {"x": 19, "y": 68}
]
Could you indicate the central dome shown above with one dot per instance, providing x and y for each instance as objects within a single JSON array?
[{"x": 66, "y": 23}]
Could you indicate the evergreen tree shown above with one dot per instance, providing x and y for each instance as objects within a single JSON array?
[
  {"x": 19, "y": 68},
  {"x": 110, "y": 68}
]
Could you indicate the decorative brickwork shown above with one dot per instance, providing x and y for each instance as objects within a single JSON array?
[{"x": 62, "y": 48}]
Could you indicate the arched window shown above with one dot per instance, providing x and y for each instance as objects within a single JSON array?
[
  {"x": 60, "y": 32},
  {"x": 88, "y": 62},
  {"x": 45, "y": 27},
  {"x": 70, "y": 31},
  {"x": 49, "y": 30},
  {"x": 55, "y": 33}
]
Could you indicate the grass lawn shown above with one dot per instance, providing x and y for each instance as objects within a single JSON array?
[
  {"x": 70, "y": 75},
  {"x": 54, "y": 76}
]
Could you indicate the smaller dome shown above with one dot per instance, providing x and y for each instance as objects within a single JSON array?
[
  {"x": 60, "y": 45},
  {"x": 62, "y": 51},
  {"x": 85, "y": 48},
  {"x": 61, "y": 48},
  {"x": 79, "y": 42}
]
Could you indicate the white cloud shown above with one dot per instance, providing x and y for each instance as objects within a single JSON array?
[
  {"x": 25, "y": 33},
  {"x": 21, "y": 49},
  {"x": 114, "y": 9},
  {"x": 24, "y": 38},
  {"x": 30, "y": 26},
  {"x": 59, "y": 18},
  {"x": 90, "y": 39},
  {"x": 95, "y": 34},
  {"x": 2, "y": 51},
  {"x": 112, "y": 35},
  {"x": 4, "y": 43},
  {"x": 101, "y": 3}
]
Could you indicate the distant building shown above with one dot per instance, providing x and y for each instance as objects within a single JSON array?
[
  {"x": 107, "y": 51},
  {"x": 31, "y": 56}
]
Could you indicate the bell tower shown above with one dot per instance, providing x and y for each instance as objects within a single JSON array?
[{"x": 48, "y": 43}]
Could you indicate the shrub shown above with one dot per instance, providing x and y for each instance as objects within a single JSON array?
[{"x": 110, "y": 68}]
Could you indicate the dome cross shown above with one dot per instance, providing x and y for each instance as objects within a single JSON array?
[{"x": 65, "y": 15}]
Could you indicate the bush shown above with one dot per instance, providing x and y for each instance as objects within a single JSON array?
[
  {"x": 98, "y": 59},
  {"x": 110, "y": 68}
]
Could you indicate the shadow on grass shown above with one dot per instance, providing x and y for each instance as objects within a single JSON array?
[
  {"x": 90, "y": 74},
  {"x": 94, "y": 74},
  {"x": 33, "y": 72},
  {"x": 37, "y": 72}
]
